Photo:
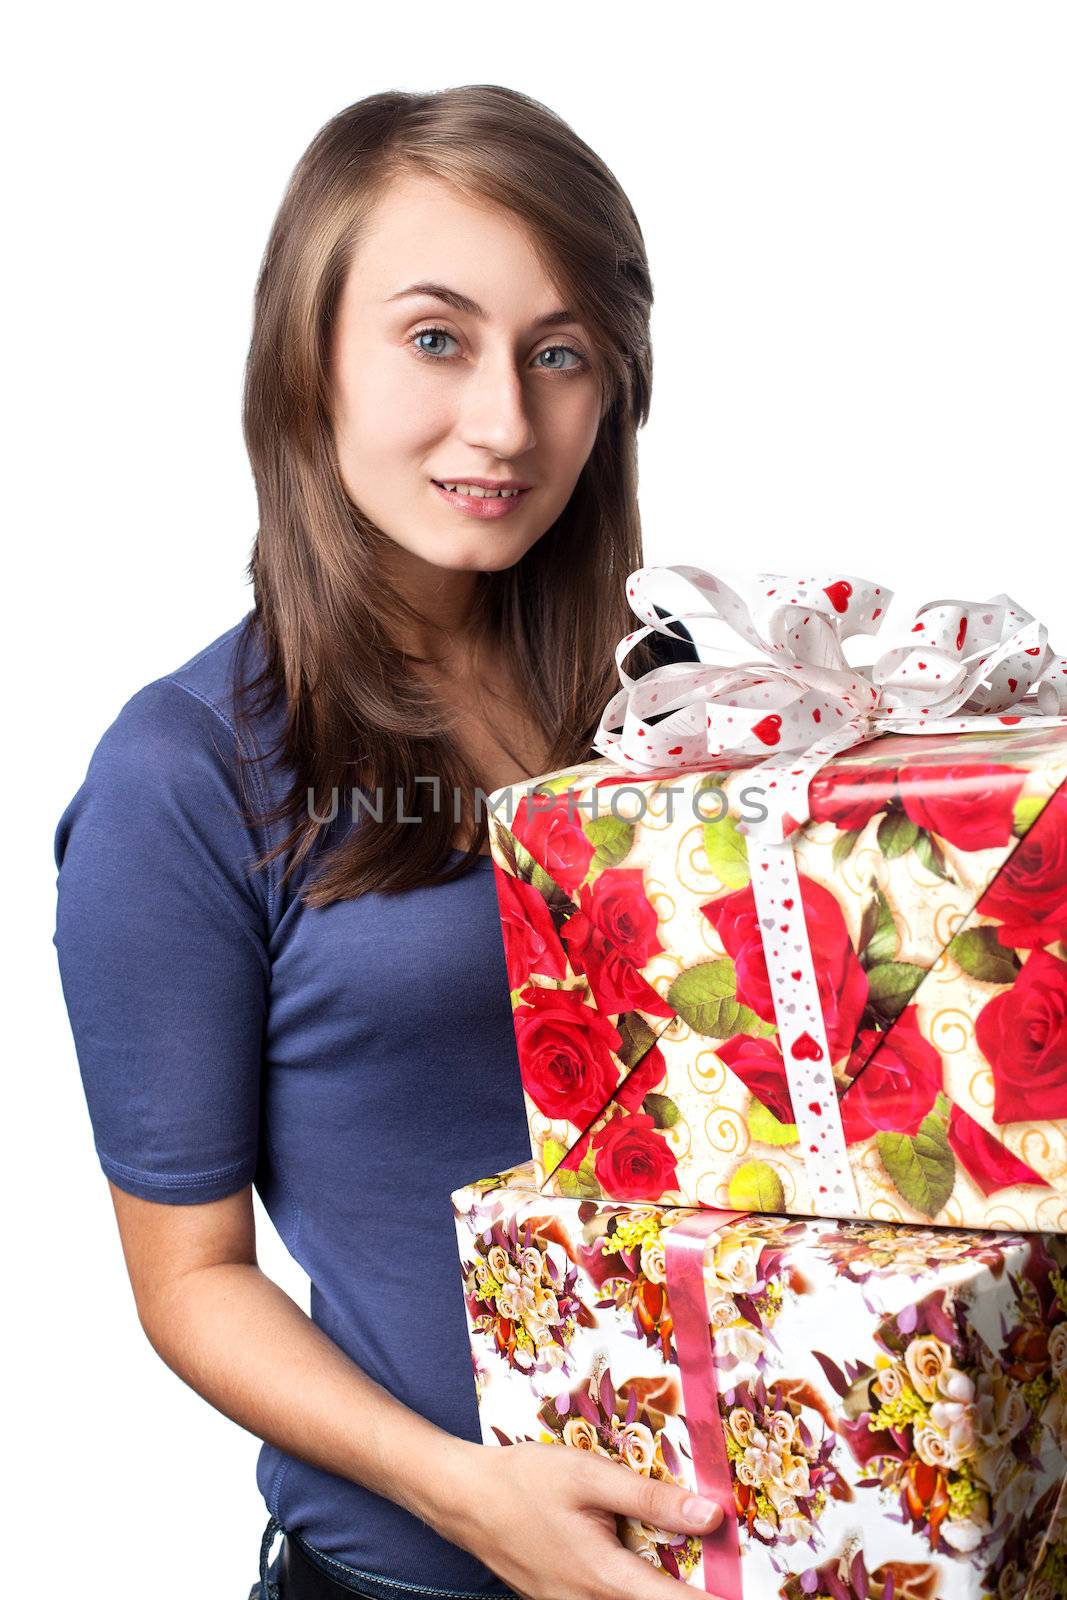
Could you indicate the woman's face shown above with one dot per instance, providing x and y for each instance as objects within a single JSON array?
[{"x": 429, "y": 391}]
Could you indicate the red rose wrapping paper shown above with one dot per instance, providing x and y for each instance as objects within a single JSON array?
[
  {"x": 933, "y": 887},
  {"x": 889, "y": 1403}
]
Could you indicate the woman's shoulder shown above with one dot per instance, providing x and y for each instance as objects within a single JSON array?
[
  {"x": 191, "y": 708},
  {"x": 208, "y": 680},
  {"x": 168, "y": 762},
  {"x": 209, "y": 675}
]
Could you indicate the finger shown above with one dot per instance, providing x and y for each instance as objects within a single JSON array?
[
  {"x": 633, "y": 1578},
  {"x": 663, "y": 1505}
]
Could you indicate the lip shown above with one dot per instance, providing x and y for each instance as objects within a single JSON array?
[
  {"x": 488, "y": 483},
  {"x": 473, "y": 506}
]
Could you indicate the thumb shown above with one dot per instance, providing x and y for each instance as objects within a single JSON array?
[{"x": 662, "y": 1505}]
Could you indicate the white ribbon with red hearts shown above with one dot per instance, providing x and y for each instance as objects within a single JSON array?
[{"x": 965, "y": 665}]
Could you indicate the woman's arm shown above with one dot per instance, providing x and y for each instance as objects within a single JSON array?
[{"x": 541, "y": 1516}]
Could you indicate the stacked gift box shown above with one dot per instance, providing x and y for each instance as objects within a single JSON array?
[{"x": 794, "y": 1228}]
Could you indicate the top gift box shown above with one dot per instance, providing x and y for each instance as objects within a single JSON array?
[{"x": 828, "y": 980}]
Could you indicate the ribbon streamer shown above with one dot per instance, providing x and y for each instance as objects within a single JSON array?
[
  {"x": 964, "y": 666},
  {"x": 684, "y": 1247}
]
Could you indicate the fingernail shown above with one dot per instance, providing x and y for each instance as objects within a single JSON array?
[{"x": 698, "y": 1509}]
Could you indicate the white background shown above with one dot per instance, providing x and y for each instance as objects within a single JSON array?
[{"x": 856, "y": 224}]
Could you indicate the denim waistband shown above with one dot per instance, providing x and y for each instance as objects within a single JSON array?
[{"x": 370, "y": 1583}]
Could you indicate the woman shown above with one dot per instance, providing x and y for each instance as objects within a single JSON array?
[{"x": 270, "y": 982}]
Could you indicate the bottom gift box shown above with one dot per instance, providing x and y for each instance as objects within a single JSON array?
[{"x": 881, "y": 1409}]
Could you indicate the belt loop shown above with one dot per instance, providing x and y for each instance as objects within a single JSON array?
[{"x": 268, "y": 1590}]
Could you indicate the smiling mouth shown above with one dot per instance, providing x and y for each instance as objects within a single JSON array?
[
  {"x": 476, "y": 493},
  {"x": 484, "y": 505}
]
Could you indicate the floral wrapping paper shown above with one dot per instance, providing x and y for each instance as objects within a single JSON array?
[
  {"x": 933, "y": 876},
  {"x": 893, "y": 1399}
]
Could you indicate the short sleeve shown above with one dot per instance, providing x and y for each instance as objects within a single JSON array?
[{"x": 161, "y": 935}]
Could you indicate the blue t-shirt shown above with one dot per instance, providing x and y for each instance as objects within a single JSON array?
[{"x": 356, "y": 1063}]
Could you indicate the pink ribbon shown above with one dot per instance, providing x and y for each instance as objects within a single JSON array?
[
  {"x": 963, "y": 666},
  {"x": 684, "y": 1245}
]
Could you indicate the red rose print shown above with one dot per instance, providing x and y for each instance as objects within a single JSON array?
[
  {"x": 850, "y": 796},
  {"x": 759, "y": 1065},
  {"x": 531, "y": 943},
  {"x": 1028, "y": 896},
  {"x": 619, "y": 908},
  {"x": 842, "y": 982},
  {"x": 645, "y": 1077},
  {"x": 896, "y": 1076},
  {"x": 633, "y": 1159},
  {"x": 611, "y": 935},
  {"x": 971, "y": 804},
  {"x": 555, "y": 841},
  {"x": 990, "y": 1163},
  {"x": 565, "y": 1053},
  {"x": 1022, "y": 1032}
]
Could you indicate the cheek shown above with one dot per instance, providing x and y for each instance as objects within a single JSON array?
[
  {"x": 575, "y": 422},
  {"x": 384, "y": 410},
  {"x": 566, "y": 433}
]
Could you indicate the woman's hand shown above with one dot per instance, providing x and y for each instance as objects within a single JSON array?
[{"x": 543, "y": 1516}]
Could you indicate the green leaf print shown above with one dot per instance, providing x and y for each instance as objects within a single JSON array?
[
  {"x": 530, "y": 871},
  {"x": 560, "y": 785},
  {"x": 727, "y": 853},
  {"x": 1028, "y": 808},
  {"x": 662, "y": 1109},
  {"x": 932, "y": 856},
  {"x": 765, "y": 1128},
  {"x": 892, "y": 984},
  {"x": 611, "y": 837},
  {"x": 637, "y": 1038},
  {"x": 980, "y": 953},
  {"x": 878, "y": 934},
  {"x": 921, "y": 1165},
  {"x": 552, "y": 1153},
  {"x": 844, "y": 845},
  {"x": 755, "y": 1186},
  {"x": 896, "y": 834},
  {"x": 580, "y": 1185},
  {"x": 705, "y": 996}
]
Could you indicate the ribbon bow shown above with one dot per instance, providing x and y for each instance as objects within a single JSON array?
[{"x": 964, "y": 665}]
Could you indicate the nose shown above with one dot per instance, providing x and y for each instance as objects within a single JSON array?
[{"x": 495, "y": 413}]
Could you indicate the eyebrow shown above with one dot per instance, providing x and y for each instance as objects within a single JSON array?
[{"x": 463, "y": 302}]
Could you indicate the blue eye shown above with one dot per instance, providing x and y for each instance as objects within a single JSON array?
[
  {"x": 562, "y": 349},
  {"x": 429, "y": 333},
  {"x": 579, "y": 364}
]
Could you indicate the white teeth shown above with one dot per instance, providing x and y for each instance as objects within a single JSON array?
[{"x": 481, "y": 494}]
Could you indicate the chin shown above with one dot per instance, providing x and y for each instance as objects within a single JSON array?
[
  {"x": 483, "y": 556},
  {"x": 499, "y": 561}
]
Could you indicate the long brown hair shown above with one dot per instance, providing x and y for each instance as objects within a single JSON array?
[{"x": 354, "y": 714}]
